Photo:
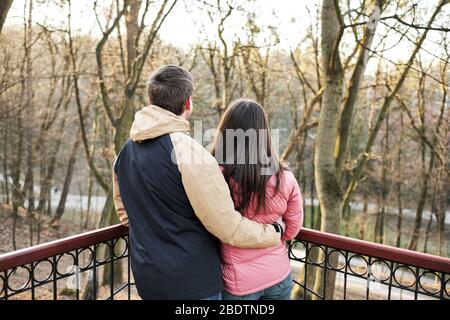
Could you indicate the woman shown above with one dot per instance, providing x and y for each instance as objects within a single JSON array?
[{"x": 264, "y": 190}]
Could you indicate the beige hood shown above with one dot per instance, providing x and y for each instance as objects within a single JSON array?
[{"x": 153, "y": 121}]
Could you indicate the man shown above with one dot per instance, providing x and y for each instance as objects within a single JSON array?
[{"x": 171, "y": 193}]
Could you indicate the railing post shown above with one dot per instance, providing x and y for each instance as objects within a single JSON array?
[
  {"x": 55, "y": 272},
  {"x": 94, "y": 274},
  {"x": 32, "y": 280},
  {"x": 345, "y": 275},
  {"x": 416, "y": 291},
  {"x": 77, "y": 276},
  {"x": 111, "y": 250},
  {"x": 305, "y": 279},
  {"x": 369, "y": 272},
  {"x": 391, "y": 275},
  {"x": 441, "y": 295},
  {"x": 128, "y": 269},
  {"x": 325, "y": 269},
  {"x": 6, "y": 284}
]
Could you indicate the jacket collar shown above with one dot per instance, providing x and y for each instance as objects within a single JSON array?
[{"x": 152, "y": 122}]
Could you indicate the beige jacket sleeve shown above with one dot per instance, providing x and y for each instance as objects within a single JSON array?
[
  {"x": 120, "y": 210},
  {"x": 210, "y": 197}
]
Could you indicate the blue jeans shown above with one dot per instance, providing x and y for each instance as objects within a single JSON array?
[
  {"x": 279, "y": 291},
  {"x": 217, "y": 296}
]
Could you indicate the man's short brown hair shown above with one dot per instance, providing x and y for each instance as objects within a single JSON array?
[{"x": 169, "y": 87}]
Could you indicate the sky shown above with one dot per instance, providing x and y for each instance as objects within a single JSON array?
[
  {"x": 181, "y": 27},
  {"x": 188, "y": 24}
]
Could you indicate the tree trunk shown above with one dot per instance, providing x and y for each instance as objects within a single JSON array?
[
  {"x": 398, "y": 239},
  {"x": 442, "y": 204},
  {"x": 349, "y": 102},
  {"x": 430, "y": 221},
  {"x": 312, "y": 194},
  {"x": 109, "y": 216},
  {"x": 5, "y": 157},
  {"x": 67, "y": 181},
  {"x": 123, "y": 126},
  {"x": 441, "y": 232},
  {"x": 381, "y": 215},
  {"x": 311, "y": 271},
  {"x": 29, "y": 179},
  {"x": 327, "y": 184},
  {"x": 365, "y": 214},
  {"x": 132, "y": 28},
  {"x": 309, "y": 280},
  {"x": 413, "y": 242},
  {"x": 425, "y": 172},
  {"x": 88, "y": 290},
  {"x": 91, "y": 177},
  {"x": 46, "y": 182},
  {"x": 5, "y": 5},
  {"x": 17, "y": 196}
]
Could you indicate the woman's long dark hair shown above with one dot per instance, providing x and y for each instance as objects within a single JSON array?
[{"x": 246, "y": 116}]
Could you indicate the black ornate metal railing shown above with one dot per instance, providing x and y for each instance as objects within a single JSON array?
[
  {"x": 364, "y": 270},
  {"x": 76, "y": 267},
  {"x": 95, "y": 265}
]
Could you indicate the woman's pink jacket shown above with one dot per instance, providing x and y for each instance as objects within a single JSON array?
[{"x": 250, "y": 270}]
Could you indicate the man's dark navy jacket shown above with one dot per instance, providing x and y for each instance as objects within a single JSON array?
[{"x": 172, "y": 255}]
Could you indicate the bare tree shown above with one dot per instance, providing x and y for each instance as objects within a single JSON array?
[
  {"x": 327, "y": 183},
  {"x": 5, "y": 5}
]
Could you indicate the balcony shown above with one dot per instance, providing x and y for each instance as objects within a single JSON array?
[{"x": 357, "y": 269}]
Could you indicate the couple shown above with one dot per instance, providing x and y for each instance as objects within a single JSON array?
[{"x": 197, "y": 229}]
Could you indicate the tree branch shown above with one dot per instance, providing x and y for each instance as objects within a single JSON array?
[
  {"x": 107, "y": 103},
  {"x": 386, "y": 104}
]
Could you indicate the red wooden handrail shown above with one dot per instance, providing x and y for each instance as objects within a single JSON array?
[
  {"x": 376, "y": 250},
  {"x": 49, "y": 249},
  {"x": 403, "y": 256}
]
